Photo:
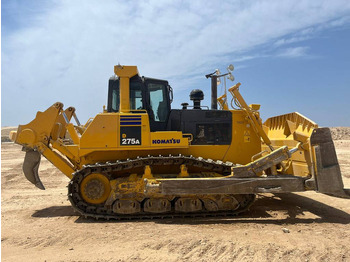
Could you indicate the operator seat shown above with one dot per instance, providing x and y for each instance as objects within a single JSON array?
[{"x": 162, "y": 111}]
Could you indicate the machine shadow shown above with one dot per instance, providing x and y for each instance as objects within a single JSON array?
[
  {"x": 55, "y": 211},
  {"x": 292, "y": 206}
]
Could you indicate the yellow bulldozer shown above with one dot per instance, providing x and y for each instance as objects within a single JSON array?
[{"x": 141, "y": 159}]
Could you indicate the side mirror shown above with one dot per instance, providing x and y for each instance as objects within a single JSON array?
[{"x": 171, "y": 95}]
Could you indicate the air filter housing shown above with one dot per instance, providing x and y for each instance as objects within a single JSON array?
[{"x": 196, "y": 96}]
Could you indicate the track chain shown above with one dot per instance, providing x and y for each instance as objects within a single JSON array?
[{"x": 103, "y": 212}]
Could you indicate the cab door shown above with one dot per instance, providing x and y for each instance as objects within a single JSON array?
[{"x": 158, "y": 107}]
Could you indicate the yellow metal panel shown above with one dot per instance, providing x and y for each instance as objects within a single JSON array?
[
  {"x": 245, "y": 142},
  {"x": 145, "y": 131},
  {"x": 103, "y": 132},
  {"x": 124, "y": 87},
  {"x": 125, "y": 71}
]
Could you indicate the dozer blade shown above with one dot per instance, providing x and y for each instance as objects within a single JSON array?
[
  {"x": 328, "y": 176},
  {"x": 31, "y": 166}
]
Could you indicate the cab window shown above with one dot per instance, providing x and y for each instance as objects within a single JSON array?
[
  {"x": 114, "y": 96},
  {"x": 135, "y": 96},
  {"x": 158, "y": 101}
]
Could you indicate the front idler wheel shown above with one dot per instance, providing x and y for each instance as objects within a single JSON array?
[{"x": 95, "y": 189}]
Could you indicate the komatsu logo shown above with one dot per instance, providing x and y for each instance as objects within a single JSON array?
[{"x": 166, "y": 141}]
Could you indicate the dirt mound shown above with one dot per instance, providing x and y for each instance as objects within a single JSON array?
[
  {"x": 5, "y": 131},
  {"x": 340, "y": 133}
]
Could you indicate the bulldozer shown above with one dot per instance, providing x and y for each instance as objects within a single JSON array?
[{"x": 141, "y": 159}]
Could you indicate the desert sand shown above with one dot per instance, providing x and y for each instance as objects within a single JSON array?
[{"x": 41, "y": 225}]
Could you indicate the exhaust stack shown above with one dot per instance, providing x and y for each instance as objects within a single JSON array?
[{"x": 214, "y": 92}]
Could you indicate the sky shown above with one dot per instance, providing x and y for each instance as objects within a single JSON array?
[{"x": 288, "y": 55}]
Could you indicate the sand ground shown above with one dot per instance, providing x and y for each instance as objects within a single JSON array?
[{"x": 41, "y": 225}]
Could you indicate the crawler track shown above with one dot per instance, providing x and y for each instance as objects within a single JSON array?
[{"x": 104, "y": 211}]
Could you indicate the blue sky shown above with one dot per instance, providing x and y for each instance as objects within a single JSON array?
[{"x": 288, "y": 55}]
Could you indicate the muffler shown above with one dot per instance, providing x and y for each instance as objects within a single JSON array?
[{"x": 31, "y": 167}]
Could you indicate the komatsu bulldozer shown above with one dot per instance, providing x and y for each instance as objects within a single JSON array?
[{"x": 141, "y": 159}]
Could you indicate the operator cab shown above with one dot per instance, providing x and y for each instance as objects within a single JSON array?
[
  {"x": 149, "y": 94},
  {"x": 154, "y": 96}
]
